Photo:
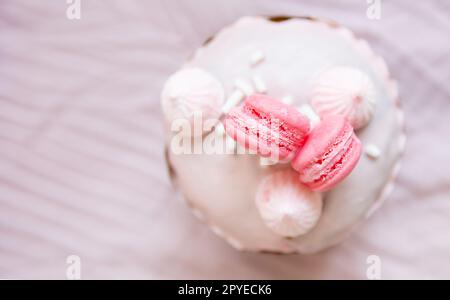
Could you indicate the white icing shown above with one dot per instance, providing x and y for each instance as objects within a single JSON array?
[{"x": 287, "y": 100}]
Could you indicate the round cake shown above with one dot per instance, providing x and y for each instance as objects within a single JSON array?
[{"x": 321, "y": 69}]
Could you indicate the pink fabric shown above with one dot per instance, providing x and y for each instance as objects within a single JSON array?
[{"x": 81, "y": 143}]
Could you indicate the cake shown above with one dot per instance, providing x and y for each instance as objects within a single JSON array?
[{"x": 321, "y": 69}]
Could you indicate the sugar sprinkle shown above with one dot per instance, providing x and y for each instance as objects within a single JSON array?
[
  {"x": 372, "y": 151},
  {"x": 234, "y": 99},
  {"x": 259, "y": 84},
  {"x": 244, "y": 86},
  {"x": 256, "y": 58}
]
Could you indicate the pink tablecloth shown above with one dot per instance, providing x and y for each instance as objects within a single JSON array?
[{"x": 81, "y": 142}]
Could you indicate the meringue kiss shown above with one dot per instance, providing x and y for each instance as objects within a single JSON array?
[
  {"x": 344, "y": 91},
  {"x": 192, "y": 91},
  {"x": 286, "y": 206}
]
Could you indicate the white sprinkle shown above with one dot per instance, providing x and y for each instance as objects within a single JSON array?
[
  {"x": 235, "y": 98},
  {"x": 265, "y": 161},
  {"x": 259, "y": 84},
  {"x": 256, "y": 58},
  {"x": 309, "y": 112},
  {"x": 288, "y": 100},
  {"x": 372, "y": 151},
  {"x": 244, "y": 86}
]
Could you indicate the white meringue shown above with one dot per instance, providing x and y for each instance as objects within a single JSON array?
[
  {"x": 287, "y": 207},
  {"x": 345, "y": 91},
  {"x": 189, "y": 91}
]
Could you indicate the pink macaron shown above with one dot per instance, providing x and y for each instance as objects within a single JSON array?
[
  {"x": 329, "y": 154},
  {"x": 268, "y": 126}
]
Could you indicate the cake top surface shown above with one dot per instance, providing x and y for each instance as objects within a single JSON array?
[{"x": 287, "y": 57}]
